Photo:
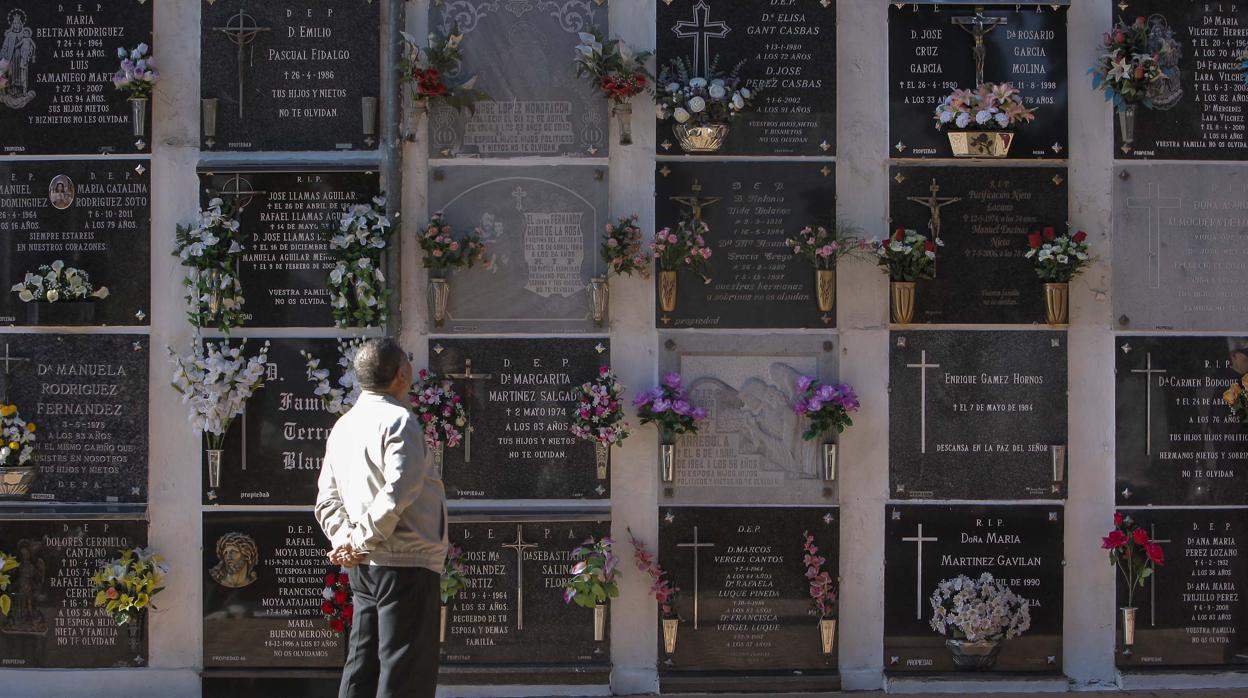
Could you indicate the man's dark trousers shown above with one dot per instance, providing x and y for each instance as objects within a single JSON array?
[{"x": 394, "y": 634}]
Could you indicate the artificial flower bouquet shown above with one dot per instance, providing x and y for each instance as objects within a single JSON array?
[
  {"x": 977, "y": 616},
  {"x": 662, "y": 588},
  {"x": 443, "y": 252},
  {"x": 682, "y": 248},
  {"x": 58, "y": 283},
  {"x": 358, "y": 291},
  {"x": 1126, "y": 66},
  {"x": 822, "y": 593},
  {"x": 135, "y": 77},
  {"x": 599, "y": 416},
  {"x": 622, "y": 249},
  {"x": 126, "y": 587},
  {"x": 615, "y": 70},
  {"x": 667, "y": 406},
  {"x": 701, "y": 107},
  {"x": 337, "y": 399},
  {"x": 426, "y": 70},
  {"x": 907, "y": 256},
  {"x": 825, "y": 406},
  {"x": 212, "y": 249},
  {"x": 215, "y": 381},
  {"x": 454, "y": 580},
  {"x": 990, "y": 106},
  {"x": 439, "y": 409},
  {"x": 1058, "y": 259},
  {"x": 336, "y": 601},
  {"x": 1137, "y": 557},
  {"x": 17, "y": 438},
  {"x": 594, "y": 581},
  {"x": 1236, "y": 398}
]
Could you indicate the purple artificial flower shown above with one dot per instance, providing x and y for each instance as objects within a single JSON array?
[
  {"x": 672, "y": 380},
  {"x": 660, "y": 405},
  {"x": 681, "y": 407},
  {"x": 804, "y": 382}
]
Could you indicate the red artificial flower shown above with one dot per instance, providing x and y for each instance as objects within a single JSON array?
[
  {"x": 1033, "y": 240},
  {"x": 1080, "y": 236},
  {"x": 1139, "y": 21},
  {"x": 929, "y": 246},
  {"x": 1141, "y": 536},
  {"x": 1155, "y": 554},
  {"x": 1139, "y": 72},
  {"x": 899, "y": 234},
  {"x": 1119, "y": 38},
  {"x": 343, "y": 578},
  {"x": 330, "y": 579},
  {"x": 337, "y": 625},
  {"x": 348, "y": 612},
  {"x": 340, "y": 597},
  {"x": 1115, "y": 540},
  {"x": 327, "y": 608},
  {"x": 1117, "y": 514},
  {"x": 1049, "y": 233}
]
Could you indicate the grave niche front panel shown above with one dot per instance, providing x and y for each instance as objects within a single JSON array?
[
  {"x": 789, "y": 51},
  {"x": 290, "y": 75},
  {"x": 520, "y": 394},
  {"x": 1177, "y": 440},
  {"x": 286, "y": 218},
  {"x": 932, "y": 51},
  {"x": 53, "y": 622},
  {"x": 87, "y": 396},
  {"x": 925, "y": 545},
  {"x": 751, "y": 208},
  {"x": 977, "y": 415},
  {"x": 542, "y": 227},
  {"x": 263, "y": 575},
  {"x": 1192, "y": 610},
  {"x": 93, "y": 215},
  {"x": 1180, "y": 237},
  {"x": 273, "y": 452},
  {"x": 512, "y": 611},
  {"x": 1198, "y": 110},
  {"x": 744, "y": 599},
  {"x": 537, "y": 105},
  {"x": 61, "y": 56},
  {"x": 983, "y": 216}
]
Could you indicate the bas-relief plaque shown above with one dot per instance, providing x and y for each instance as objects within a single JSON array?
[
  {"x": 263, "y": 574},
  {"x": 284, "y": 217},
  {"x": 538, "y": 106},
  {"x": 94, "y": 215},
  {"x": 1198, "y": 108},
  {"x": 520, "y": 394},
  {"x": 750, "y": 450},
  {"x": 512, "y": 611},
  {"x": 744, "y": 599},
  {"x": 1191, "y": 610},
  {"x": 751, "y": 208},
  {"x": 925, "y": 545},
  {"x": 53, "y": 622},
  {"x": 290, "y": 75},
  {"x": 61, "y": 58},
  {"x": 542, "y": 227},
  {"x": 983, "y": 216},
  {"x": 935, "y": 49},
  {"x": 977, "y": 415},
  {"x": 789, "y": 50},
  {"x": 273, "y": 453},
  {"x": 1180, "y": 245},
  {"x": 87, "y": 395}
]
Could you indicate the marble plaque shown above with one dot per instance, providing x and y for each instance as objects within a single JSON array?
[
  {"x": 744, "y": 599},
  {"x": 538, "y": 106},
  {"x": 285, "y": 217},
  {"x": 1179, "y": 238},
  {"x": 1198, "y": 110},
  {"x": 93, "y": 215},
  {"x": 542, "y": 227},
  {"x": 53, "y": 622},
  {"x": 925, "y": 545},
  {"x": 750, "y": 450},
  {"x": 263, "y": 574},
  {"x": 520, "y": 395},
  {"x": 513, "y": 610},
  {"x": 290, "y": 74},
  {"x": 87, "y": 396},
  {"x": 984, "y": 217},
  {"x": 790, "y": 54},
  {"x": 62, "y": 56},
  {"x": 977, "y": 415},
  {"x": 931, "y": 51},
  {"x": 1192, "y": 610},
  {"x": 751, "y": 208}
]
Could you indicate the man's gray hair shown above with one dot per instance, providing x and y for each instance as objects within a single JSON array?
[{"x": 377, "y": 363}]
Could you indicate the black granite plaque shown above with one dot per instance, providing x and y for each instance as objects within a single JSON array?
[
  {"x": 932, "y": 52},
  {"x": 263, "y": 574},
  {"x": 290, "y": 75},
  {"x": 513, "y": 610},
  {"x": 60, "y": 97},
  {"x": 984, "y": 217},
  {"x": 93, "y": 215},
  {"x": 925, "y": 545},
  {"x": 1192, "y": 610},
  {"x": 87, "y": 395},
  {"x": 273, "y": 453},
  {"x": 1199, "y": 115},
  {"x": 790, "y": 54},
  {"x": 744, "y": 599},
  {"x": 53, "y": 622},
  {"x": 520, "y": 394},
  {"x": 751, "y": 208},
  {"x": 538, "y": 106},
  {"x": 977, "y": 415},
  {"x": 1177, "y": 441},
  {"x": 284, "y": 216}
]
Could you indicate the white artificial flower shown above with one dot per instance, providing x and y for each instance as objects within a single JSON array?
[
  {"x": 26, "y": 296},
  {"x": 53, "y": 296},
  {"x": 717, "y": 91},
  {"x": 673, "y": 87},
  {"x": 963, "y": 120},
  {"x": 101, "y": 292},
  {"x": 697, "y": 105},
  {"x": 681, "y": 115},
  {"x": 745, "y": 92},
  {"x": 738, "y": 102},
  {"x": 697, "y": 83}
]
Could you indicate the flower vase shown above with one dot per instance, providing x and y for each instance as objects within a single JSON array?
[
  {"x": 416, "y": 108},
  {"x": 439, "y": 295},
  {"x": 980, "y": 144},
  {"x": 214, "y": 467},
  {"x": 600, "y": 622},
  {"x": 212, "y": 279},
  {"x": 16, "y": 481},
  {"x": 825, "y": 289},
  {"x": 670, "y": 627},
  {"x": 1057, "y": 303},
  {"x": 667, "y": 291},
  {"x": 134, "y": 632},
  {"x": 1126, "y": 124},
  {"x": 599, "y": 298},
  {"x": 60, "y": 313},
  {"x": 705, "y": 139},
  {"x": 973, "y": 656},
  {"x": 827, "y": 634},
  {"x": 667, "y": 456},
  {"x": 1128, "y": 630},
  {"x": 602, "y": 458},
  {"x": 442, "y": 625},
  {"x": 439, "y": 457},
  {"x": 623, "y": 113},
  {"x": 138, "y": 116},
  {"x": 903, "y": 301},
  {"x": 829, "y": 462}
]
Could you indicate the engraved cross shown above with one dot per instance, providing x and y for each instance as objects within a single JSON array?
[
  {"x": 695, "y": 546},
  {"x": 918, "y": 579},
  {"x": 923, "y": 365},
  {"x": 520, "y": 545},
  {"x": 701, "y": 30},
  {"x": 1154, "y": 203},
  {"x": 1148, "y": 372}
]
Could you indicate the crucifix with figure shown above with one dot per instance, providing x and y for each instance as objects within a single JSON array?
[
  {"x": 1149, "y": 372},
  {"x": 934, "y": 203},
  {"x": 469, "y": 375},
  {"x": 1154, "y": 203},
  {"x": 242, "y": 30},
  {"x": 520, "y": 545},
  {"x": 696, "y": 547},
  {"x": 979, "y": 26},
  {"x": 701, "y": 30},
  {"x": 923, "y": 365},
  {"x": 695, "y": 202},
  {"x": 918, "y": 579}
]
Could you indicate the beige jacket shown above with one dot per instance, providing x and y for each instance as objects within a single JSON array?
[{"x": 378, "y": 490}]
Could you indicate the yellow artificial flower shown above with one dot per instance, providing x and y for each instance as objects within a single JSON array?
[
  {"x": 30, "y": 427},
  {"x": 1231, "y": 395},
  {"x": 8, "y": 410},
  {"x": 14, "y": 445},
  {"x": 1244, "y": 380}
]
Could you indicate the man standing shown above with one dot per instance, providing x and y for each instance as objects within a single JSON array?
[{"x": 384, "y": 511}]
